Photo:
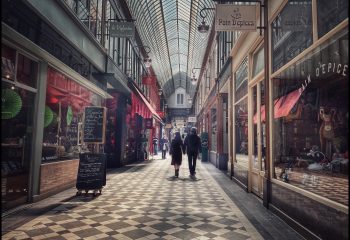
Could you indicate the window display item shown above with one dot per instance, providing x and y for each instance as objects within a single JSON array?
[
  {"x": 327, "y": 127},
  {"x": 69, "y": 115},
  {"x": 11, "y": 104},
  {"x": 48, "y": 117}
]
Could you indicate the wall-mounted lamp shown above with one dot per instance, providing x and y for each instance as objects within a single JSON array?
[
  {"x": 160, "y": 91},
  {"x": 189, "y": 100},
  {"x": 203, "y": 27},
  {"x": 148, "y": 62}
]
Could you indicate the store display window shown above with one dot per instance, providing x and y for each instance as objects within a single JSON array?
[
  {"x": 17, "y": 108},
  {"x": 258, "y": 62},
  {"x": 64, "y": 109},
  {"x": 330, "y": 14},
  {"x": 311, "y": 121},
  {"x": 291, "y": 32},
  {"x": 241, "y": 77},
  {"x": 213, "y": 140},
  {"x": 241, "y": 113}
]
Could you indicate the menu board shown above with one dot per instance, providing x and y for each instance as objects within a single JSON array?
[
  {"x": 94, "y": 125},
  {"x": 91, "y": 171}
]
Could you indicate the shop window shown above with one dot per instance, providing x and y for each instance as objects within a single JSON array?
[
  {"x": 330, "y": 14},
  {"x": 241, "y": 76},
  {"x": 17, "y": 107},
  {"x": 258, "y": 62},
  {"x": 241, "y": 130},
  {"x": 65, "y": 102},
  {"x": 311, "y": 121},
  {"x": 27, "y": 71},
  {"x": 8, "y": 59},
  {"x": 291, "y": 32},
  {"x": 213, "y": 140}
]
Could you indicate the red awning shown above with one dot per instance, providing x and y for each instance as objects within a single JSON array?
[
  {"x": 282, "y": 105},
  {"x": 157, "y": 117}
]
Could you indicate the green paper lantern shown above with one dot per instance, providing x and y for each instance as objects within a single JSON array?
[
  {"x": 48, "y": 116},
  {"x": 11, "y": 104},
  {"x": 54, "y": 119},
  {"x": 69, "y": 115}
]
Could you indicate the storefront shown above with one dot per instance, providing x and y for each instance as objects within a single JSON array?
[
  {"x": 309, "y": 114},
  {"x": 310, "y": 93}
]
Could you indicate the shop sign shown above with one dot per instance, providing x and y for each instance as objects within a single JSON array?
[
  {"x": 148, "y": 123},
  {"x": 122, "y": 29},
  {"x": 179, "y": 111},
  {"x": 192, "y": 119},
  {"x": 325, "y": 68},
  {"x": 235, "y": 17}
]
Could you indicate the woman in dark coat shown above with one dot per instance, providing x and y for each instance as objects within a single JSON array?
[{"x": 176, "y": 150}]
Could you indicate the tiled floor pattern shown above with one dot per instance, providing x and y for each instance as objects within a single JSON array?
[{"x": 146, "y": 202}]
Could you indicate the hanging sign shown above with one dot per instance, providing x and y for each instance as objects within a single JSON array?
[
  {"x": 122, "y": 29},
  {"x": 192, "y": 119},
  {"x": 235, "y": 17}
]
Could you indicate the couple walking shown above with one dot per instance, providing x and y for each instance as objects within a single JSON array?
[{"x": 191, "y": 146}]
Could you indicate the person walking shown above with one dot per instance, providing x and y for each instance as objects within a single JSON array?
[
  {"x": 176, "y": 150},
  {"x": 164, "y": 146},
  {"x": 155, "y": 145},
  {"x": 192, "y": 146}
]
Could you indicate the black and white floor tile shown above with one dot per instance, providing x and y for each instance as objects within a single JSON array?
[{"x": 146, "y": 202}]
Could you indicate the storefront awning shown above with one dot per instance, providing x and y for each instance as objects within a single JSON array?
[
  {"x": 139, "y": 93},
  {"x": 282, "y": 105}
]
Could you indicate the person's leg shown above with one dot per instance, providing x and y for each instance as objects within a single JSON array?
[
  {"x": 189, "y": 156},
  {"x": 177, "y": 167},
  {"x": 194, "y": 163}
]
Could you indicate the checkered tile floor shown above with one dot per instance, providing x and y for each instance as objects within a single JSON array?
[{"x": 146, "y": 202}]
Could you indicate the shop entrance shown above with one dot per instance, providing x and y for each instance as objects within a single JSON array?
[{"x": 257, "y": 139}]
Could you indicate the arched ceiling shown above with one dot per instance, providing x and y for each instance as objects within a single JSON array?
[{"x": 169, "y": 29}]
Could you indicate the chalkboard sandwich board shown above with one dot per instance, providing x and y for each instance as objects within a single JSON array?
[
  {"x": 94, "y": 125},
  {"x": 91, "y": 171}
]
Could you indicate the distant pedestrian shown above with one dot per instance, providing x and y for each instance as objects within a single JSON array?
[
  {"x": 155, "y": 144},
  {"x": 164, "y": 145},
  {"x": 176, "y": 150},
  {"x": 192, "y": 146}
]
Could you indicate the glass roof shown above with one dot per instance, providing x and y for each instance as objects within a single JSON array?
[{"x": 169, "y": 29}]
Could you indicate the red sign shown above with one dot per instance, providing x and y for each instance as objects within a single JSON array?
[
  {"x": 148, "y": 80},
  {"x": 160, "y": 114}
]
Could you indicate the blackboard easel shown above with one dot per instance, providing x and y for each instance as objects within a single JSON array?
[{"x": 92, "y": 165}]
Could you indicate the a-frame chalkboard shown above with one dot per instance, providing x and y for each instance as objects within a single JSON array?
[{"x": 91, "y": 171}]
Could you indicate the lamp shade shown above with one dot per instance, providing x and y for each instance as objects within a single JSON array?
[{"x": 11, "y": 104}]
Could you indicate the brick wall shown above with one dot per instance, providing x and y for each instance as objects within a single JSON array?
[{"x": 58, "y": 174}]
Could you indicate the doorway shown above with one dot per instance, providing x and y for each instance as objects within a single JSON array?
[{"x": 257, "y": 138}]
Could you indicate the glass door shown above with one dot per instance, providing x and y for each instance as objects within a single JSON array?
[{"x": 257, "y": 156}]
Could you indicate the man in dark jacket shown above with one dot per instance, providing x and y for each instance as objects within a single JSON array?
[{"x": 192, "y": 146}]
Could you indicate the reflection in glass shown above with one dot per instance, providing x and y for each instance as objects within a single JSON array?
[
  {"x": 291, "y": 32},
  {"x": 311, "y": 123},
  {"x": 17, "y": 107}
]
